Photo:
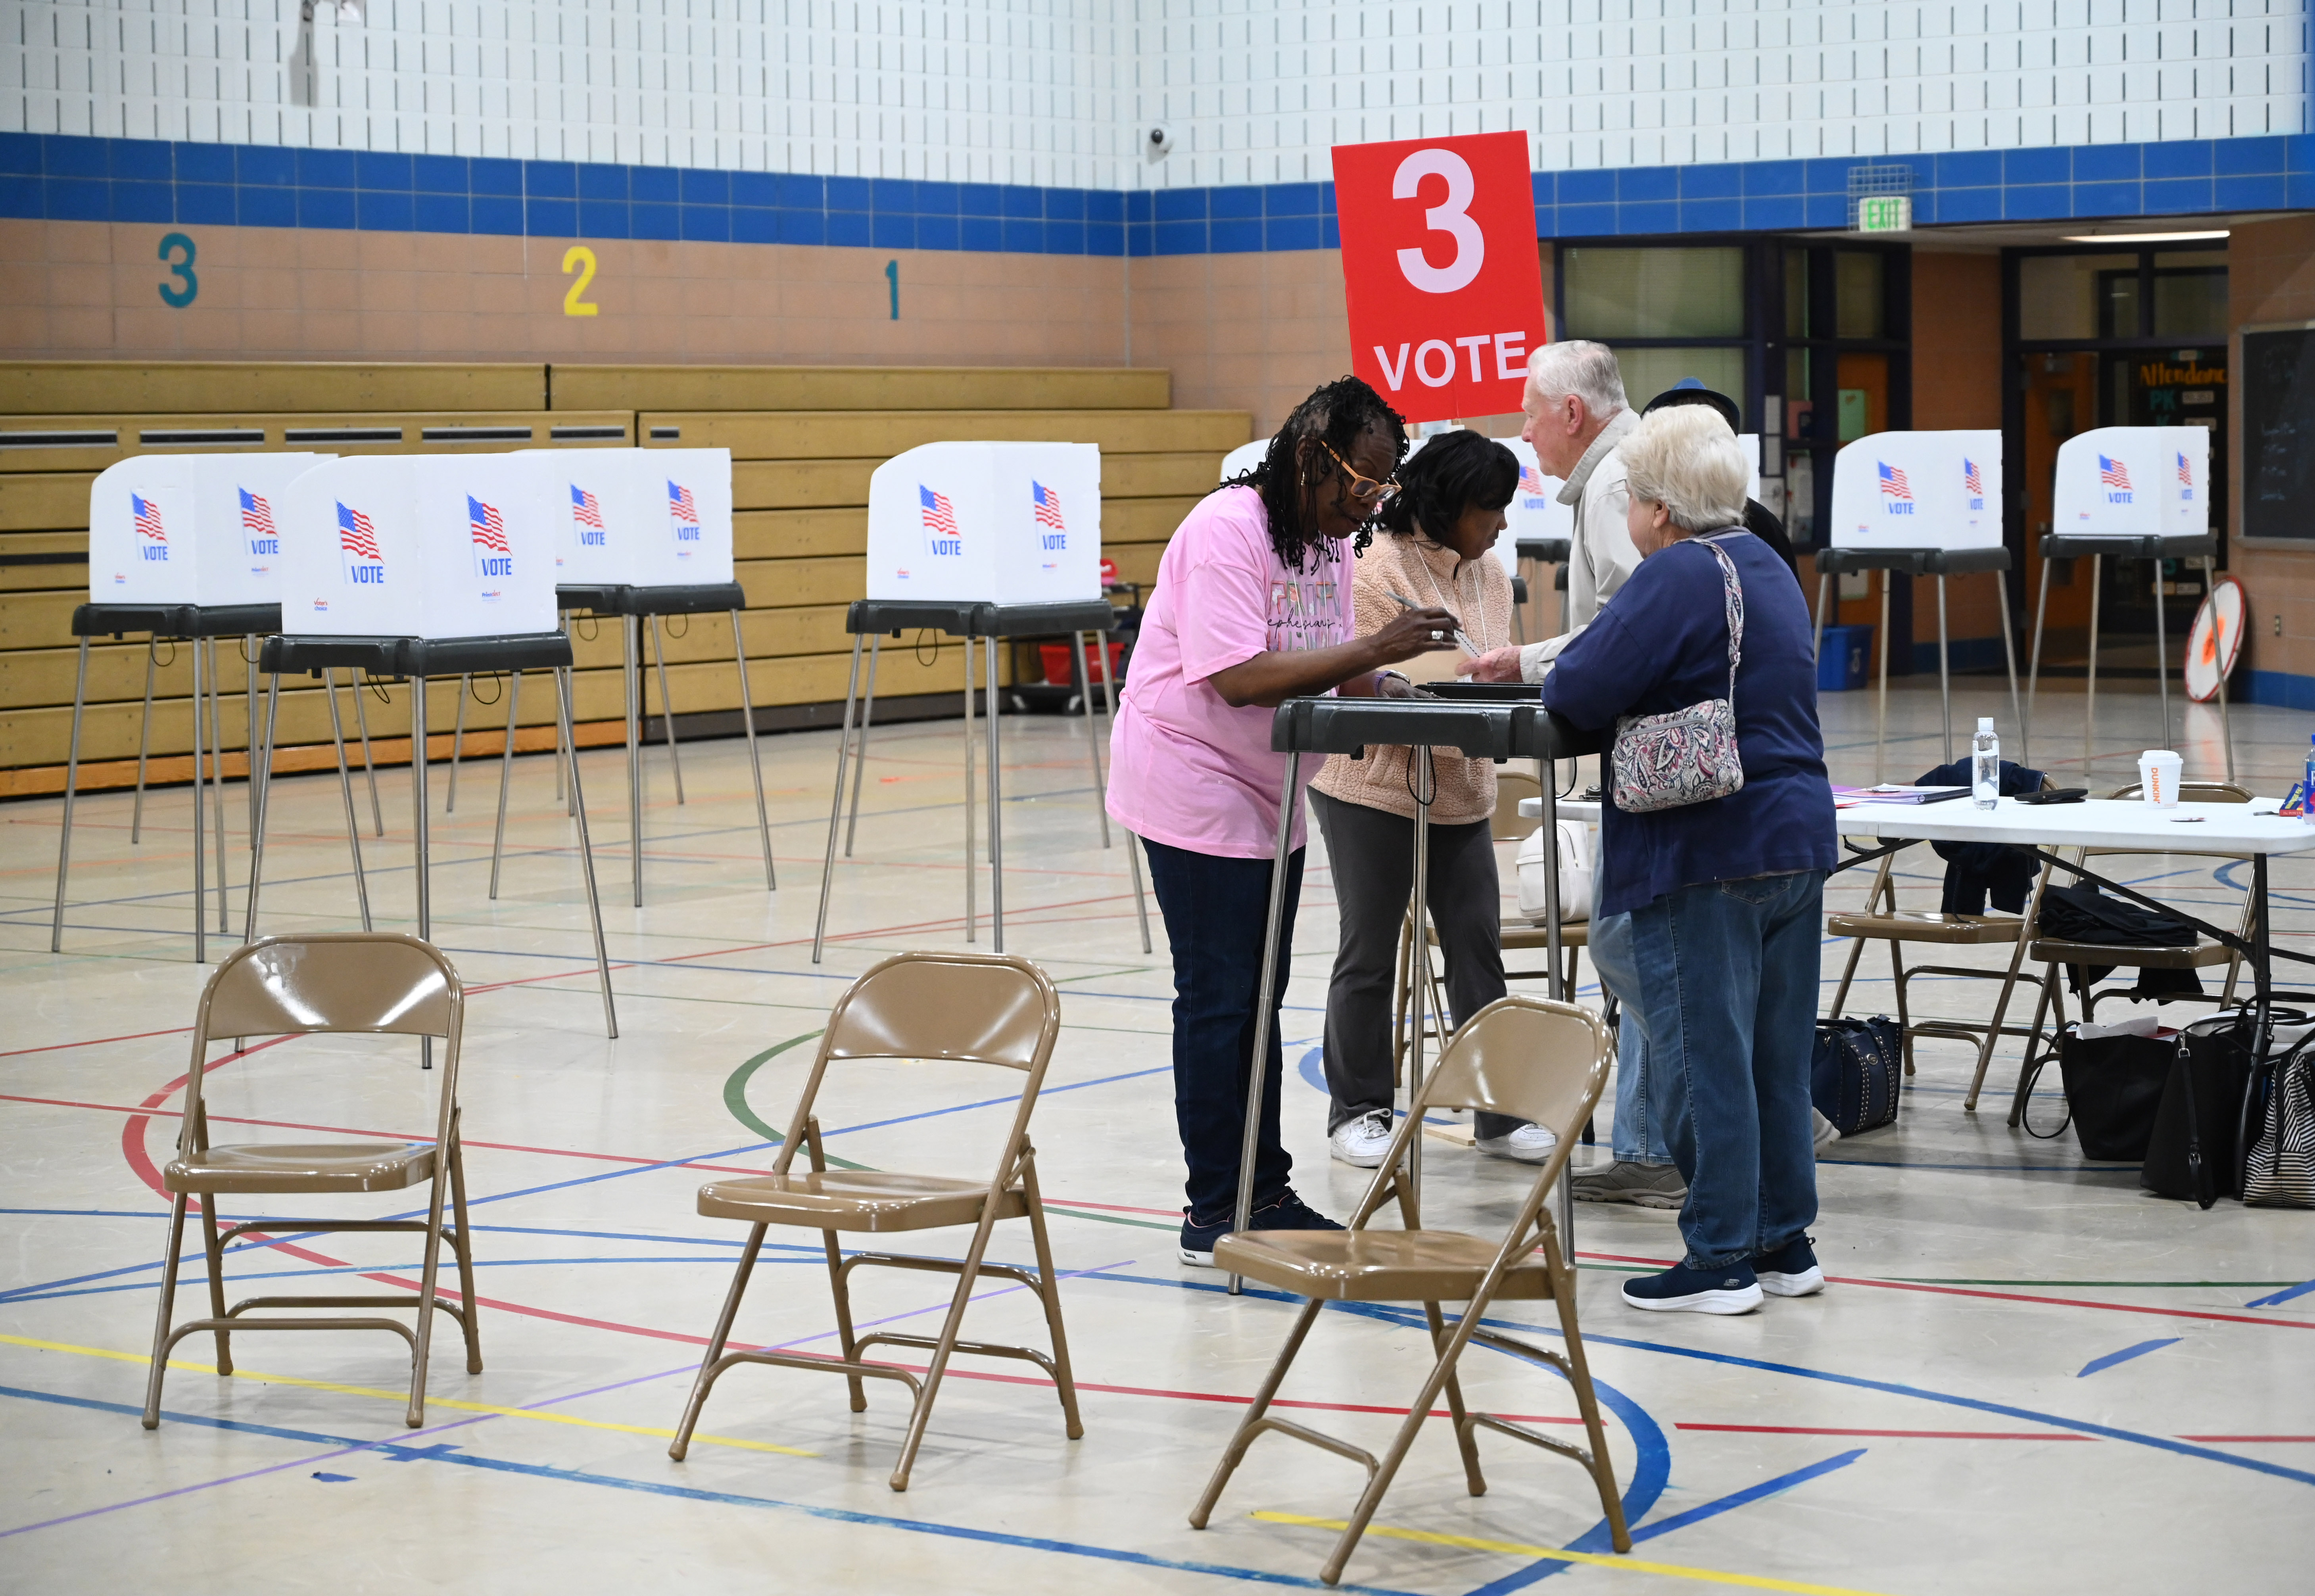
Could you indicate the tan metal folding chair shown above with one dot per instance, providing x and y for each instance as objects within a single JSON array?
[
  {"x": 360, "y": 983},
  {"x": 968, "y": 1008},
  {"x": 1524, "y": 1057}
]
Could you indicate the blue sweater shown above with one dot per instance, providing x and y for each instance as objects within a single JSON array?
[{"x": 1662, "y": 643}]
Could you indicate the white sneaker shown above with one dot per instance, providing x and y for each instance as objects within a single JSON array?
[
  {"x": 1530, "y": 1144},
  {"x": 1361, "y": 1142}
]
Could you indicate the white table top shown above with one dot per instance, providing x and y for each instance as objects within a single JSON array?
[{"x": 2096, "y": 822}]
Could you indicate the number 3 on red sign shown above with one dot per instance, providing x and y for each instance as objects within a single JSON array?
[{"x": 1451, "y": 215}]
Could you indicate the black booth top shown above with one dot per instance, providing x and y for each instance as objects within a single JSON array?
[
  {"x": 417, "y": 656},
  {"x": 961, "y": 618},
  {"x": 1912, "y": 562},
  {"x": 1480, "y": 729}
]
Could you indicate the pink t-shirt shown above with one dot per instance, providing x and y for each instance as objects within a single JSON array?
[{"x": 1187, "y": 768}]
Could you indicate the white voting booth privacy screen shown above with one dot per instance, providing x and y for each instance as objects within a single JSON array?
[
  {"x": 987, "y": 523},
  {"x": 650, "y": 517},
  {"x": 417, "y": 546},
  {"x": 2134, "y": 482},
  {"x": 190, "y": 529},
  {"x": 1919, "y": 490}
]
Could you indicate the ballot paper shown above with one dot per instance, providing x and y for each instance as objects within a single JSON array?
[{"x": 1893, "y": 793}]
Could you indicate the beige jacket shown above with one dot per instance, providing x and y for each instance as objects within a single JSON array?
[
  {"x": 1477, "y": 592},
  {"x": 1601, "y": 557}
]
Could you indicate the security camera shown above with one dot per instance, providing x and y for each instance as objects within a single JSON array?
[{"x": 1156, "y": 141}]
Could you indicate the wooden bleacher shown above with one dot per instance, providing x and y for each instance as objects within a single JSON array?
[{"x": 803, "y": 440}]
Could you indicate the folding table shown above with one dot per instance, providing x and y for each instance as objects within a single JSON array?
[{"x": 1479, "y": 721}]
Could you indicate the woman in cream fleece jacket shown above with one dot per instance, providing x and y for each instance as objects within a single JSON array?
[{"x": 1435, "y": 550}]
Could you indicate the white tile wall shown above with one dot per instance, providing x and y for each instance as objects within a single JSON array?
[{"x": 1255, "y": 91}]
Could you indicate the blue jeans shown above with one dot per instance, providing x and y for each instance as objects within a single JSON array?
[
  {"x": 1728, "y": 979},
  {"x": 1215, "y": 908},
  {"x": 1637, "y": 1135}
]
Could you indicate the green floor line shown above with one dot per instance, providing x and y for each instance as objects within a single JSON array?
[{"x": 735, "y": 1094}]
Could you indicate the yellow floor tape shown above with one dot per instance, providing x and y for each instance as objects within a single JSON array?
[
  {"x": 1630, "y": 1565},
  {"x": 403, "y": 1397}
]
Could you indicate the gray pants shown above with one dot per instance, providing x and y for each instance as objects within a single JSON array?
[{"x": 1371, "y": 853}]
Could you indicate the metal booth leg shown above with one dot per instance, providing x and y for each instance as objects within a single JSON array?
[
  {"x": 1424, "y": 779},
  {"x": 1564, "y": 1194},
  {"x": 2034, "y": 668},
  {"x": 1243, "y": 1209},
  {"x": 2226, "y": 726},
  {"x": 835, "y": 804},
  {"x": 249, "y": 707},
  {"x": 418, "y": 836},
  {"x": 631, "y": 636},
  {"x": 261, "y": 782},
  {"x": 458, "y": 743},
  {"x": 2008, "y": 647},
  {"x": 1944, "y": 676},
  {"x": 1132, "y": 854},
  {"x": 201, "y": 817},
  {"x": 346, "y": 791},
  {"x": 586, "y": 855},
  {"x": 360, "y": 683},
  {"x": 72, "y": 780},
  {"x": 144, "y": 745},
  {"x": 1881, "y": 713},
  {"x": 1092, "y": 727},
  {"x": 860, "y": 759},
  {"x": 996, "y": 801},
  {"x": 755, "y": 756},
  {"x": 971, "y": 838},
  {"x": 2089, "y": 694},
  {"x": 506, "y": 777},
  {"x": 216, "y": 787},
  {"x": 666, "y": 707},
  {"x": 1823, "y": 596},
  {"x": 2162, "y": 652}
]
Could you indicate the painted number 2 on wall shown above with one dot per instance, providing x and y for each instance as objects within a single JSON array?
[{"x": 579, "y": 258}]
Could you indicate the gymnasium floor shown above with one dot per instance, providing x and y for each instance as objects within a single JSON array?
[{"x": 2027, "y": 1376}]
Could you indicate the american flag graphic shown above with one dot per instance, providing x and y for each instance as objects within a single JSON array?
[
  {"x": 2185, "y": 473},
  {"x": 1894, "y": 484},
  {"x": 356, "y": 535},
  {"x": 584, "y": 510},
  {"x": 940, "y": 520},
  {"x": 256, "y": 515},
  {"x": 2114, "y": 474},
  {"x": 148, "y": 518},
  {"x": 1049, "y": 506},
  {"x": 1970, "y": 478},
  {"x": 490, "y": 530},
  {"x": 679, "y": 504},
  {"x": 1530, "y": 480}
]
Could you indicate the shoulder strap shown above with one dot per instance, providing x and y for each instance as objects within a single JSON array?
[{"x": 1732, "y": 591}]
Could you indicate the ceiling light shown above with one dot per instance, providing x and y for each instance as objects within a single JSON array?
[{"x": 2143, "y": 237}]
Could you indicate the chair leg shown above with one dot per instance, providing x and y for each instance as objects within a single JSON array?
[
  {"x": 215, "y": 1255},
  {"x": 428, "y": 1275},
  {"x": 946, "y": 1346},
  {"x": 1848, "y": 974},
  {"x": 1467, "y": 1439},
  {"x": 1401, "y": 975},
  {"x": 1904, "y": 1020},
  {"x": 1587, "y": 1403},
  {"x": 462, "y": 1248},
  {"x": 1386, "y": 1466},
  {"x": 682, "y": 1442},
  {"x": 845, "y": 1335},
  {"x": 160, "y": 1315},
  {"x": 1246, "y": 1432},
  {"x": 1048, "y": 1291}
]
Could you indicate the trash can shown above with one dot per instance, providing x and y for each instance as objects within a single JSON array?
[{"x": 1843, "y": 665}]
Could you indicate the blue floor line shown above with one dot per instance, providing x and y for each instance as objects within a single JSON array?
[
  {"x": 2126, "y": 1355},
  {"x": 1750, "y": 1494},
  {"x": 2301, "y": 1289}
]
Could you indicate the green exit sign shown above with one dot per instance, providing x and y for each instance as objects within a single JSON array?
[{"x": 1885, "y": 212}]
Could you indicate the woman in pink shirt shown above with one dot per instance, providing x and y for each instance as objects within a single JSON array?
[{"x": 1252, "y": 607}]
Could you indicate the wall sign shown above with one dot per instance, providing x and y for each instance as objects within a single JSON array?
[{"x": 1440, "y": 271}]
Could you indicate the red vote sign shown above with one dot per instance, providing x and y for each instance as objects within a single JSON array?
[{"x": 1440, "y": 270}]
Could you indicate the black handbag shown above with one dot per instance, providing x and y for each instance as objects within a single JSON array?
[
  {"x": 1856, "y": 1071},
  {"x": 2114, "y": 1092}
]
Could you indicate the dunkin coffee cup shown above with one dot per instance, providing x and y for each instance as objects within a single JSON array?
[{"x": 2157, "y": 778}]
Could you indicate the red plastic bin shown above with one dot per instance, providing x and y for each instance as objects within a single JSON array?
[{"x": 1058, "y": 673}]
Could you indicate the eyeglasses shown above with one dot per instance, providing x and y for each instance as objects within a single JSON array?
[{"x": 1364, "y": 489}]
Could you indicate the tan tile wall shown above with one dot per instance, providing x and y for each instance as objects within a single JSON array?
[{"x": 2270, "y": 277}]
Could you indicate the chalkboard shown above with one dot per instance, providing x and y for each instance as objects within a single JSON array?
[{"x": 2278, "y": 379}]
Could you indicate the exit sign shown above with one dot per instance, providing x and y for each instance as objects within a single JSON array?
[{"x": 1885, "y": 212}]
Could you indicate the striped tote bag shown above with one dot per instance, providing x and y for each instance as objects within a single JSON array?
[{"x": 2281, "y": 1171}]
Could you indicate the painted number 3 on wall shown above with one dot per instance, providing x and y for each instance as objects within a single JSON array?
[
  {"x": 579, "y": 258},
  {"x": 176, "y": 297}
]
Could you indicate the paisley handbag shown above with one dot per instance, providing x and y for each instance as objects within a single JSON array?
[{"x": 1685, "y": 756}]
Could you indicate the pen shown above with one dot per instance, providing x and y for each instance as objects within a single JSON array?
[{"x": 1461, "y": 642}]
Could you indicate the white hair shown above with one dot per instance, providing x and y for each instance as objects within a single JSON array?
[
  {"x": 1686, "y": 459},
  {"x": 1579, "y": 366}
]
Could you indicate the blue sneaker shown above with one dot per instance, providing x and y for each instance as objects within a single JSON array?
[
  {"x": 1286, "y": 1212},
  {"x": 1732, "y": 1289},
  {"x": 1791, "y": 1271}
]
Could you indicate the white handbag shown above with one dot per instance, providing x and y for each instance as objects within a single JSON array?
[{"x": 1574, "y": 873}]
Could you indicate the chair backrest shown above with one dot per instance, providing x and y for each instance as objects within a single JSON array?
[
  {"x": 2195, "y": 792},
  {"x": 1509, "y": 825},
  {"x": 975, "y": 1008},
  {"x": 1529, "y": 1058}
]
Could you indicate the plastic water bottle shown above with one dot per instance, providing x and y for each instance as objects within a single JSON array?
[
  {"x": 1985, "y": 764},
  {"x": 2305, "y": 819}
]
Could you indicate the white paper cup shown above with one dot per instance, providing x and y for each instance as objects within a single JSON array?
[{"x": 2157, "y": 778}]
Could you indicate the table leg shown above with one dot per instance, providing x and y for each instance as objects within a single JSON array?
[
  {"x": 72, "y": 782},
  {"x": 1244, "y": 1211},
  {"x": 836, "y": 805},
  {"x": 868, "y": 719},
  {"x": 995, "y": 801},
  {"x": 586, "y": 852},
  {"x": 506, "y": 778},
  {"x": 755, "y": 755},
  {"x": 2263, "y": 995},
  {"x": 346, "y": 791},
  {"x": 144, "y": 745}
]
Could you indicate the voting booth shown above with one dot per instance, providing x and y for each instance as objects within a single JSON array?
[
  {"x": 1919, "y": 504},
  {"x": 2131, "y": 492},
  {"x": 994, "y": 523}
]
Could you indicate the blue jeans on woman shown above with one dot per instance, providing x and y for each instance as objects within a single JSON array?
[
  {"x": 1215, "y": 908},
  {"x": 1728, "y": 977},
  {"x": 1637, "y": 1135}
]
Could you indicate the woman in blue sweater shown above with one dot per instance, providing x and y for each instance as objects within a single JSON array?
[{"x": 1727, "y": 895}]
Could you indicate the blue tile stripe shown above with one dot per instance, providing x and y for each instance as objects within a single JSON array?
[{"x": 67, "y": 177}]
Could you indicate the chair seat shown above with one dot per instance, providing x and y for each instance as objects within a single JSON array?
[
  {"x": 2199, "y": 957},
  {"x": 327, "y": 1167},
  {"x": 854, "y": 1199},
  {"x": 1527, "y": 935},
  {"x": 1377, "y": 1265},
  {"x": 1916, "y": 925}
]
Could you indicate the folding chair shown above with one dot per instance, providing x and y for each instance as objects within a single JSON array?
[
  {"x": 2052, "y": 952},
  {"x": 962, "y": 1006},
  {"x": 354, "y": 983},
  {"x": 1525, "y": 1056}
]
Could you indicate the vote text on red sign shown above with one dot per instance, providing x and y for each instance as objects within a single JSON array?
[{"x": 1439, "y": 265}]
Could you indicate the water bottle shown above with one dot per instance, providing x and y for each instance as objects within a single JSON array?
[
  {"x": 2305, "y": 819},
  {"x": 1985, "y": 764}
]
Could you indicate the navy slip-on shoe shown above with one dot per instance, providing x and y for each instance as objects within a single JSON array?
[
  {"x": 1287, "y": 1212},
  {"x": 1791, "y": 1271},
  {"x": 1732, "y": 1289}
]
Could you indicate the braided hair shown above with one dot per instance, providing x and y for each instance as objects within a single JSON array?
[
  {"x": 1447, "y": 476},
  {"x": 1337, "y": 415}
]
